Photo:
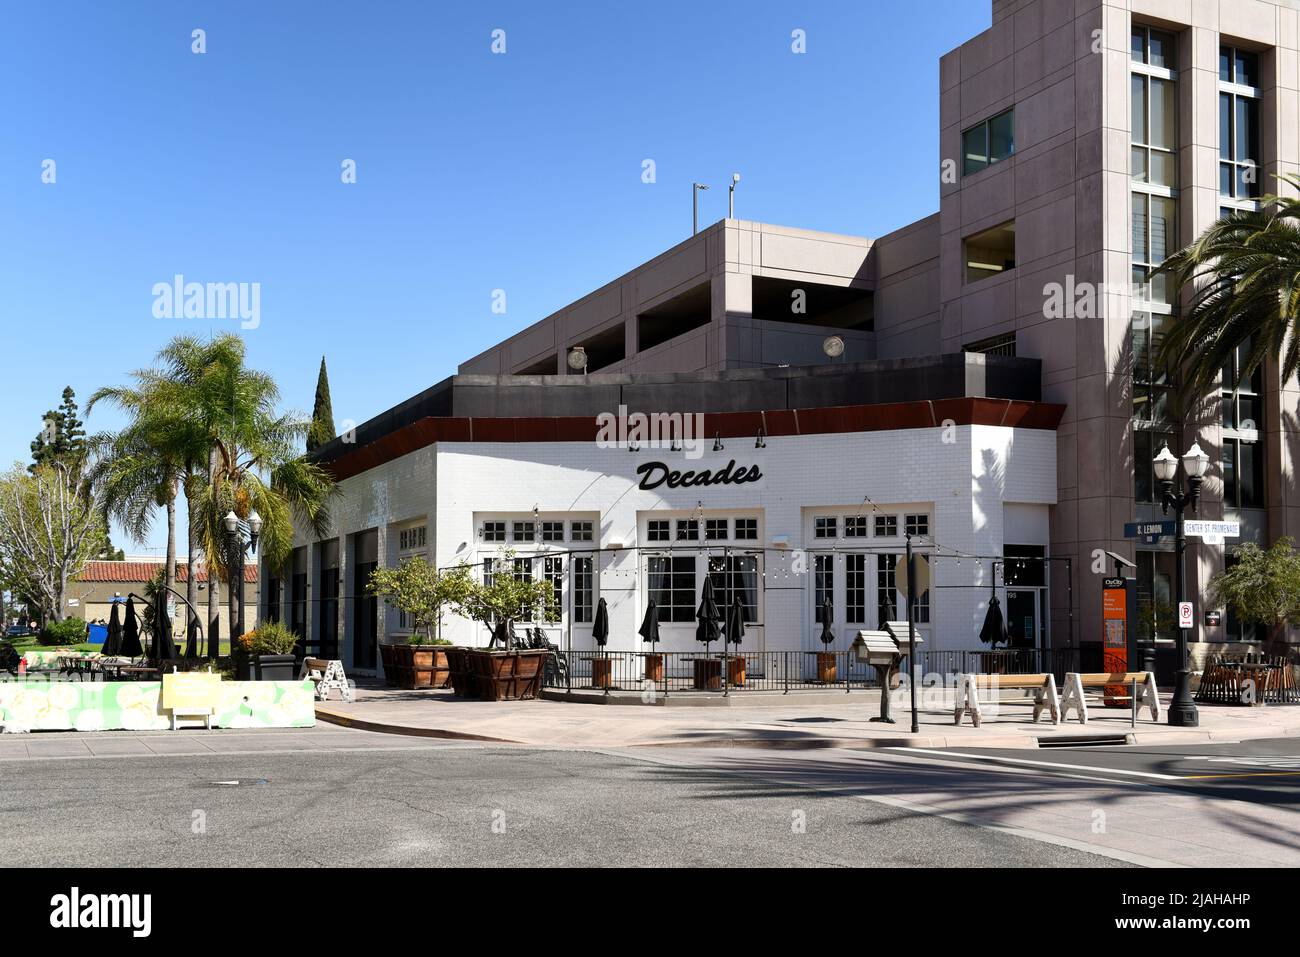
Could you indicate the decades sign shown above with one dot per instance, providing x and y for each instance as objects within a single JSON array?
[{"x": 654, "y": 474}]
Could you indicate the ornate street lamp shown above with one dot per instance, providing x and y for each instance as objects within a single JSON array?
[{"x": 1182, "y": 712}]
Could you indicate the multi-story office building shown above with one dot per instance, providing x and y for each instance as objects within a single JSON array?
[{"x": 1082, "y": 142}]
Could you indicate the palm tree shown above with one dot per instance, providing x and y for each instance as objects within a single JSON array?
[{"x": 1245, "y": 275}]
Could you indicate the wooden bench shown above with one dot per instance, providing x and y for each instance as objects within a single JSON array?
[
  {"x": 326, "y": 673},
  {"x": 969, "y": 686},
  {"x": 1076, "y": 684}
]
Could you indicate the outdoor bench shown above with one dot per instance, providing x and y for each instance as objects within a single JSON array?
[
  {"x": 969, "y": 686},
  {"x": 1119, "y": 684}
]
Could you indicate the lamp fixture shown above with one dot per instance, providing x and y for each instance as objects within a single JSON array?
[
  {"x": 717, "y": 442},
  {"x": 758, "y": 442},
  {"x": 231, "y": 521},
  {"x": 833, "y": 346},
  {"x": 577, "y": 359}
]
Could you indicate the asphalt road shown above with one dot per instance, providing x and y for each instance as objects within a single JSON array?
[{"x": 430, "y": 804}]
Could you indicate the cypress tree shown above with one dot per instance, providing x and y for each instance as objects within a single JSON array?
[{"x": 322, "y": 414}]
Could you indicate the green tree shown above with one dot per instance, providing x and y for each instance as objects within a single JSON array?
[
  {"x": 62, "y": 437},
  {"x": 1263, "y": 585},
  {"x": 422, "y": 591},
  {"x": 1244, "y": 274},
  {"x": 51, "y": 524},
  {"x": 322, "y": 413},
  {"x": 508, "y": 596}
]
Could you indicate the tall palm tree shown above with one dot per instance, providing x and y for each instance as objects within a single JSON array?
[{"x": 1244, "y": 273}]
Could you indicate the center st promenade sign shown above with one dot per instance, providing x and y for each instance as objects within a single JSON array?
[{"x": 655, "y": 474}]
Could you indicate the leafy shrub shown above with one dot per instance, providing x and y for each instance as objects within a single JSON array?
[
  {"x": 270, "y": 638},
  {"x": 70, "y": 631}
]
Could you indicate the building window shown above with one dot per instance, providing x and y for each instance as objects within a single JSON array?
[
  {"x": 747, "y": 529},
  {"x": 581, "y": 531},
  {"x": 1004, "y": 345},
  {"x": 886, "y": 591},
  {"x": 826, "y": 526},
  {"x": 1153, "y": 392},
  {"x": 1242, "y": 458},
  {"x": 734, "y": 575},
  {"x": 489, "y": 571},
  {"x": 1153, "y": 48},
  {"x": 1153, "y": 101},
  {"x": 412, "y": 539},
  {"x": 855, "y": 589},
  {"x": 553, "y": 572},
  {"x": 494, "y": 531},
  {"x": 988, "y": 142},
  {"x": 855, "y": 526},
  {"x": 688, "y": 530},
  {"x": 886, "y": 526},
  {"x": 552, "y": 531},
  {"x": 917, "y": 524},
  {"x": 525, "y": 532},
  {"x": 990, "y": 253},
  {"x": 583, "y": 589},
  {"x": 715, "y": 528},
  {"x": 672, "y": 587},
  {"x": 823, "y": 584},
  {"x": 1155, "y": 238},
  {"x": 656, "y": 530},
  {"x": 1239, "y": 142}
]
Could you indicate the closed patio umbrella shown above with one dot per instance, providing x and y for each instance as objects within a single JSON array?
[
  {"x": 114, "y": 639},
  {"x": 736, "y": 621},
  {"x": 130, "y": 646},
  {"x": 600, "y": 625},
  {"x": 995, "y": 626},
  {"x": 707, "y": 614},
  {"x": 828, "y": 616},
  {"x": 192, "y": 641},
  {"x": 649, "y": 630},
  {"x": 164, "y": 647}
]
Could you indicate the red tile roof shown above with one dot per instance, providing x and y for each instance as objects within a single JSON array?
[{"x": 140, "y": 572}]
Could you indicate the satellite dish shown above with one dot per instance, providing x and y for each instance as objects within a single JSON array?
[
  {"x": 577, "y": 358},
  {"x": 833, "y": 346}
]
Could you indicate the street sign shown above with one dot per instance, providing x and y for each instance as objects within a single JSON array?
[
  {"x": 1213, "y": 618},
  {"x": 1186, "y": 615},
  {"x": 1206, "y": 529},
  {"x": 1148, "y": 529}
]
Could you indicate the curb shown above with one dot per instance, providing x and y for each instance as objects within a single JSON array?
[{"x": 348, "y": 721}]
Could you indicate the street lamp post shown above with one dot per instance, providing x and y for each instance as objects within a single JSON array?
[
  {"x": 1182, "y": 712},
  {"x": 235, "y": 550}
]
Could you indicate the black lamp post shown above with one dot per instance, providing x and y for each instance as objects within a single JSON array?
[
  {"x": 1182, "y": 712},
  {"x": 235, "y": 549}
]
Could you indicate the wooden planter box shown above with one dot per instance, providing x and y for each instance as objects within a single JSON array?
[
  {"x": 390, "y": 667},
  {"x": 429, "y": 668},
  {"x": 826, "y": 671},
  {"x": 736, "y": 671},
  {"x": 654, "y": 667},
  {"x": 507, "y": 675},
  {"x": 460, "y": 673},
  {"x": 708, "y": 674},
  {"x": 601, "y": 668}
]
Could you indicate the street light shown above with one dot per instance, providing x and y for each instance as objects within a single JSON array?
[
  {"x": 695, "y": 206},
  {"x": 731, "y": 196},
  {"x": 1182, "y": 711}
]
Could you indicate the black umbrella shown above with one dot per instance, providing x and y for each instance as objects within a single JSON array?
[
  {"x": 130, "y": 646},
  {"x": 708, "y": 616},
  {"x": 504, "y": 632},
  {"x": 995, "y": 626},
  {"x": 164, "y": 647},
  {"x": 114, "y": 639},
  {"x": 649, "y": 630},
  {"x": 600, "y": 626},
  {"x": 828, "y": 615},
  {"x": 736, "y": 621},
  {"x": 192, "y": 639}
]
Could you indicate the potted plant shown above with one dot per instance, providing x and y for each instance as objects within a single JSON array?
[
  {"x": 421, "y": 591},
  {"x": 271, "y": 647}
]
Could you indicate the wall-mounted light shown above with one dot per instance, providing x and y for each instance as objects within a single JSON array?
[
  {"x": 717, "y": 442},
  {"x": 577, "y": 359},
  {"x": 758, "y": 442},
  {"x": 833, "y": 346}
]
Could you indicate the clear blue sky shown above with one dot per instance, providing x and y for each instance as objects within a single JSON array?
[{"x": 475, "y": 171}]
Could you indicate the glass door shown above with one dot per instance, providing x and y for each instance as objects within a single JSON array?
[{"x": 1022, "y": 617}]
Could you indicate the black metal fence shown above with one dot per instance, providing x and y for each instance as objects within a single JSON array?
[{"x": 673, "y": 672}]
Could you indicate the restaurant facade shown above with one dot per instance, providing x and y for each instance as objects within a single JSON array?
[{"x": 785, "y": 505}]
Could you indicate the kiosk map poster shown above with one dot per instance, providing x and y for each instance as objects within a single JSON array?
[{"x": 1114, "y": 651}]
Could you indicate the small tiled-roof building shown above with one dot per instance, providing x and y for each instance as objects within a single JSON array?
[{"x": 90, "y": 595}]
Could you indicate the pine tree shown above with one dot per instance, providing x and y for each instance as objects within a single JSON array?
[
  {"x": 322, "y": 415},
  {"x": 62, "y": 437}
]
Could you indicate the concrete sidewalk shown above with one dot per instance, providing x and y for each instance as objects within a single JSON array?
[{"x": 771, "y": 721}]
